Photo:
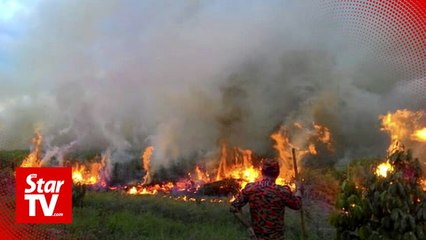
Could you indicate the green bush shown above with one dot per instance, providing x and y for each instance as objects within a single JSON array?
[{"x": 391, "y": 207}]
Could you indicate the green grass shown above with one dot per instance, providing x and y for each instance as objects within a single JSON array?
[
  {"x": 117, "y": 216},
  {"x": 112, "y": 215}
]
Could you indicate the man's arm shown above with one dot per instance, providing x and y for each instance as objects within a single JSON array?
[
  {"x": 294, "y": 201},
  {"x": 238, "y": 215},
  {"x": 235, "y": 209},
  {"x": 240, "y": 201}
]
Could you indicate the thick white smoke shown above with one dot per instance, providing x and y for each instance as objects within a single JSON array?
[{"x": 181, "y": 75}]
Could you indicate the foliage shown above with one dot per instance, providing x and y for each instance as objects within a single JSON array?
[{"x": 391, "y": 207}]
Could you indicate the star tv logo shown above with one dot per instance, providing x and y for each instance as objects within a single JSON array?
[{"x": 43, "y": 195}]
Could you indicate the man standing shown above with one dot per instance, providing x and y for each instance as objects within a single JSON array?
[{"x": 267, "y": 203}]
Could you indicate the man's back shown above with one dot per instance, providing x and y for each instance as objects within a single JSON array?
[{"x": 267, "y": 205}]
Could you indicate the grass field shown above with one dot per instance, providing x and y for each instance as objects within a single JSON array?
[{"x": 112, "y": 215}]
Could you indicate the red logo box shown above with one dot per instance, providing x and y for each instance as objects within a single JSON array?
[{"x": 44, "y": 195}]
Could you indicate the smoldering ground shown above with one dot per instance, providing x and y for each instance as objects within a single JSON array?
[{"x": 183, "y": 75}]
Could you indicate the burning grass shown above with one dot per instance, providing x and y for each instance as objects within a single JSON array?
[
  {"x": 118, "y": 215},
  {"x": 148, "y": 208}
]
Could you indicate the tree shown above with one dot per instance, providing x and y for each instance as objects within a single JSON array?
[{"x": 383, "y": 207}]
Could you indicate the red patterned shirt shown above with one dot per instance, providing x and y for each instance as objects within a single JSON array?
[{"x": 267, "y": 203}]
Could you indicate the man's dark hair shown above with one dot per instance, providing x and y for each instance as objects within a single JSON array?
[
  {"x": 271, "y": 172},
  {"x": 270, "y": 168}
]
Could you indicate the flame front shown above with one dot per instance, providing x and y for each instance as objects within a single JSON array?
[
  {"x": 238, "y": 163},
  {"x": 384, "y": 169}
]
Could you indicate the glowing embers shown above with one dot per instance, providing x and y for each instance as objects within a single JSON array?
[{"x": 152, "y": 189}]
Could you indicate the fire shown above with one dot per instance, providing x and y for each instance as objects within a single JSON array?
[
  {"x": 312, "y": 149},
  {"x": 420, "y": 135},
  {"x": 404, "y": 126},
  {"x": 133, "y": 190},
  {"x": 238, "y": 163},
  {"x": 383, "y": 169},
  {"x": 93, "y": 173},
  {"x": 200, "y": 175},
  {"x": 423, "y": 184},
  {"x": 223, "y": 156},
  {"x": 86, "y": 174},
  {"x": 151, "y": 190},
  {"x": 282, "y": 144},
  {"x": 146, "y": 161},
  {"x": 247, "y": 175},
  {"x": 323, "y": 135},
  {"x": 190, "y": 184},
  {"x": 301, "y": 138},
  {"x": 406, "y": 129},
  {"x": 34, "y": 158}
]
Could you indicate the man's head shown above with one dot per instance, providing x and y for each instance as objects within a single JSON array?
[{"x": 270, "y": 168}]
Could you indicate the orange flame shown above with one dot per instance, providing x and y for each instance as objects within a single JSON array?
[
  {"x": 236, "y": 163},
  {"x": 420, "y": 135},
  {"x": 403, "y": 126},
  {"x": 91, "y": 173},
  {"x": 306, "y": 138},
  {"x": 201, "y": 176},
  {"x": 94, "y": 173},
  {"x": 150, "y": 190},
  {"x": 146, "y": 161},
  {"x": 34, "y": 158},
  {"x": 423, "y": 184}
]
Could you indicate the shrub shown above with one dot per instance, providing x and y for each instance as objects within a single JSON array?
[{"x": 391, "y": 207}]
